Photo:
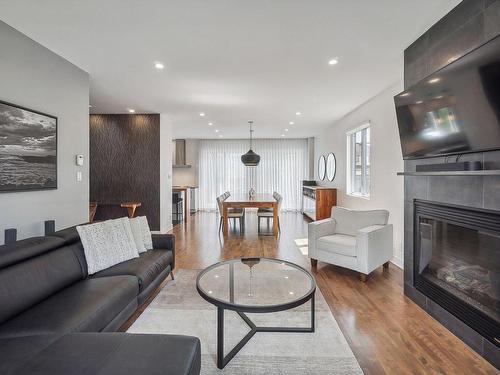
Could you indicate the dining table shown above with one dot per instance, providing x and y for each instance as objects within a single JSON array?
[{"x": 246, "y": 201}]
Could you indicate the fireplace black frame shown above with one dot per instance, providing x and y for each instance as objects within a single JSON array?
[{"x": 468, "y": 217}]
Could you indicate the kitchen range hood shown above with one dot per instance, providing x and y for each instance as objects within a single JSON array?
[{"x": 179, "y": 154}]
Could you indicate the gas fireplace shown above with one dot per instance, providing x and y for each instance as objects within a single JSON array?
[{"x": 457, "y": 262}]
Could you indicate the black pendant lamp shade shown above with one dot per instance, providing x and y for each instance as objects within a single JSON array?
[{"x": 250, "y": 159}]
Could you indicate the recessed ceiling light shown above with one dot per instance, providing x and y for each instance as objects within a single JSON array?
[
  {"x": 298, "y": 113},
  {"x": 286, "y": 129},
  {"x": 159, "y": 65},
  {"x": 291, "y": 123},
  {"x": 216, "y": 130},
  {"x": 435, "y": 80},
  {"x": 282, "y": 135},
  {"x": 221, "y": 136},
  {"x": 131, "y": 110},
  {"x": 210, "y": 123},
  {"x": 333, "y": 61},
  {"x": 202, "y": 114}
]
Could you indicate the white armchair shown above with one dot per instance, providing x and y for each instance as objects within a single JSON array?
[{"x": 358, "y": 240}]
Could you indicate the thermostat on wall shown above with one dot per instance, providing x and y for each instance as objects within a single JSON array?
[{"x": 79, "y": 160}]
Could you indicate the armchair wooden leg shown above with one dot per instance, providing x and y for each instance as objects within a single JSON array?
[
  {"x": 363, "y": 277},
  {"x": 386, "y": 265},
  {"x": 314, "y": 262}
]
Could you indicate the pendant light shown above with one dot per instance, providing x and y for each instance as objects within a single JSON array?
[{"x": 250, "y": 159}]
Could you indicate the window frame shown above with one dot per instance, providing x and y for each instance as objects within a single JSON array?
[{"x": 350, "y": 157}]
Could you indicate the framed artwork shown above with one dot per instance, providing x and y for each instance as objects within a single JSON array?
[{"x": 28, "y": 149}]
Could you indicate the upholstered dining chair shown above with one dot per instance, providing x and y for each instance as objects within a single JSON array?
[
  {"x": 359, "y": 240},
  {"x": 267, "y": 212},
  {"x": 232, "y": 214}
]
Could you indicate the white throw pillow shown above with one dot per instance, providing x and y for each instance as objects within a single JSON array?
[
  {"x": 146, "y": 232},
  {"x": 107, "y": 243},
  {"x": 136, "y": 226}
]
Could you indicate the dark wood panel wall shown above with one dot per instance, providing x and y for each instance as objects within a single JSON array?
[
  {"x": 468, "y": 26},
  {"x": 125, "y": 164}
]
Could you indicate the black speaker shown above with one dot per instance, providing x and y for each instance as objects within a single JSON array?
[
  {"x": 10, "y": 235},
  {"x": 50, "y": 227}
]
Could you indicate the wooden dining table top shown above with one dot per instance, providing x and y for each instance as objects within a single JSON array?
[{"x": 245, "y": 198}]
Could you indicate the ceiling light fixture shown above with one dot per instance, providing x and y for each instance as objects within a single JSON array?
[
  {"x": 333, "y": 61},
  {"x": 298, "y": 113},
  {"x": 221, "y": 136},
  {"x": 202, "y": 114},
  {"x": 291, "y": 123},
  {"x": 210, "y": 123},
  {"x": 250, "y": 159},
  {"x": 216, "y": 130},
  {"x": 131, "y": 110},
  {"x": 286, "y": 129},
  {"x": 282, "y": 135},
  {"x": 159, "y": 65}
]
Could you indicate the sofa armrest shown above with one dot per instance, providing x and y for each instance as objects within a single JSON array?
[
  {"x": 374, "y": 246},
  {"x": 318, "y": 229},
  {"x": 165, "y": 242}
]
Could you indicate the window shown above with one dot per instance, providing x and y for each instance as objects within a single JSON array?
[
  {"x": 284, "y": 163},
  {"x": 358, "y": 162}
]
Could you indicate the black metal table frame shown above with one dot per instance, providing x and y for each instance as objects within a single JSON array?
[{"x": 222, "y": 360}]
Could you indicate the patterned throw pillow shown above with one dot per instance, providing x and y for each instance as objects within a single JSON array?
[
  {"x": 107, "y": 243},
  {"x": 136, "y": 225},
  {"x": 146, "y": 232}
]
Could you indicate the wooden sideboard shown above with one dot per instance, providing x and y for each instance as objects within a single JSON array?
[{"x": 317, "y": 201}]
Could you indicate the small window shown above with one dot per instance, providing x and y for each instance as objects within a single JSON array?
[{"x": 358, "y": 162}]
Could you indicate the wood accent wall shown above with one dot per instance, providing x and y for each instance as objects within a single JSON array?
[{"x": 125, "y": 164}]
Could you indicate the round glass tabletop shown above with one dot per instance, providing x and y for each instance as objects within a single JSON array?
[{"x": 256, "y": 285}]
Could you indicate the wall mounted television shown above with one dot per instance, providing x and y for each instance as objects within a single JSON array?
[{"x": 455, "y": 110}]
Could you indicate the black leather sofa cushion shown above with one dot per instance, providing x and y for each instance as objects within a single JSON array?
[
  {"x": 164, "y": 242},
  {"x": 102, "y": 354},
  {"x": 146, "y": 268},
  {"x": 27, "y": 283},
  {"x": 87, "y": 306},
  {"x": 25, "y": 249}
]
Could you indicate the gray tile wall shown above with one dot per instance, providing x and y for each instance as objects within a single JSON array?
[{"x": 469, "y": 25}]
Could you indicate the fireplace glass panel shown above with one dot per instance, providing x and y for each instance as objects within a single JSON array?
[{"x": 464, "y": 262}]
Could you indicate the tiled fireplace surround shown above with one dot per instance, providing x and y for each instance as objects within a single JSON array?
[{"x": 469, "y": 25}]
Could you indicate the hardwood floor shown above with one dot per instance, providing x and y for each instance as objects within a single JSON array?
[{"x": 388, "y": 333}]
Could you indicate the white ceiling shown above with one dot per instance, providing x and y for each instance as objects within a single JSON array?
[{"x": 234, "y": 60}]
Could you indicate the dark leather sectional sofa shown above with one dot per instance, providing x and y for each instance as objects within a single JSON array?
[{"x": 55, "y": 319}]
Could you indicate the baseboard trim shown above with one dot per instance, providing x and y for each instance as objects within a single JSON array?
[{"x": 398, "y": 262}]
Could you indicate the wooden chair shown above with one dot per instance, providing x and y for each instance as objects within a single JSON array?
[
  {"x": 232, "y": 214},
  {"x": 267, "y": 212}
]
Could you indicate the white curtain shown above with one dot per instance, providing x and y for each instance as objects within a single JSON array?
[{"x": 283, "y": 165}]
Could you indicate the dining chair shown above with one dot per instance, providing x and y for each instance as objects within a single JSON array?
[
  {"x": 267, "y": 212},
  {"x": 232, "y": 214}
]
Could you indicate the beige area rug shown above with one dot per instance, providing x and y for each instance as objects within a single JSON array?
[
  {"x": 302, "y": 245},
  {"x": 178, "y": 309}
]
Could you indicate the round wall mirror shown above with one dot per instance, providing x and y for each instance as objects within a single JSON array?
[
  {"x": 321, "y": 167},
  {"x": 331, "y": 167}
]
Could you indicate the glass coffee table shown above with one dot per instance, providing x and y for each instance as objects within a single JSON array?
[{"x": 254, "y": 285}]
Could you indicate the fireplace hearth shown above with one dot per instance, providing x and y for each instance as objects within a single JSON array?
[{"x": 457, "y": 262}]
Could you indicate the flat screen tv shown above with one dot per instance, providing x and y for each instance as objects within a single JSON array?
[{"x": 455, "y": 110}]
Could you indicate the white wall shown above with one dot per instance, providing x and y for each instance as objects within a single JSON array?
[
  {"x": 188, "y": 176},
  {"x": 386, "y": 160},
  {"x": 165, "y": 174},
  {"x": 34, "y": 77}
]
